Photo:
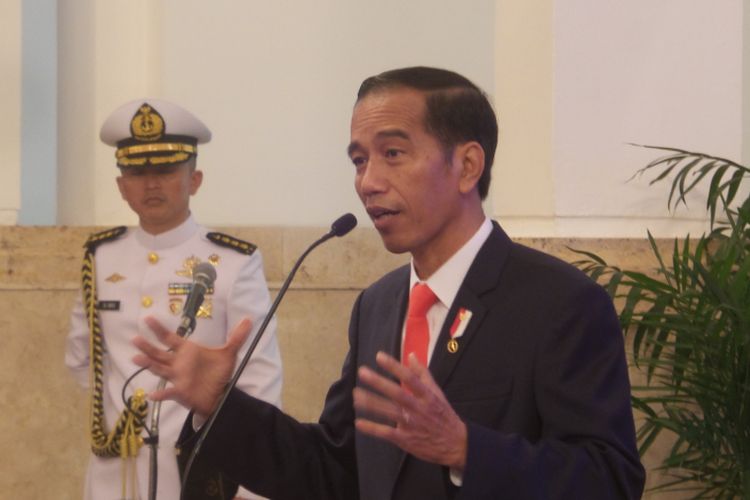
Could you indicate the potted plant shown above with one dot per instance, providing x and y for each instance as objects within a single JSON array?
[{"x": 689, "y": 327}]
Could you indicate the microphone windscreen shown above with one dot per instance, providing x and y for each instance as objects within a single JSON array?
[
  {"x": 204, "y": 273},
  {"x": 343, "y": 224}
]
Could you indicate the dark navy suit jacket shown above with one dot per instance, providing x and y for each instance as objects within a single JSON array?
[{"x": 539, "y": 377}]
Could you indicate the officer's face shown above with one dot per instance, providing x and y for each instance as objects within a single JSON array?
[{"x": 160, "y": 195}]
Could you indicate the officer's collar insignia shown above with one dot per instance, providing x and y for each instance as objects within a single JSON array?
[
  {"x": 115, "y": 278},
  {"x": 228, "y": 241},
  {"x": 147, "y": 124},
  {"x": 103, "y": 236}
]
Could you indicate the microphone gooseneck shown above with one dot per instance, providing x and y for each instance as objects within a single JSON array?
[{"x": 340, "y": 227}]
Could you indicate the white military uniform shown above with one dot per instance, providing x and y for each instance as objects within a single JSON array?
[
  {"x": 140, "y": 275},
  {"x": 136, "y": 275}
]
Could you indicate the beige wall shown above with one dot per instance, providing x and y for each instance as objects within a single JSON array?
[
  {"x": 275, "y": 82},
  {"x": 578, "y": 81},
  {"x": 574, "y": 81},
  {"x": 43, "y": 436}
]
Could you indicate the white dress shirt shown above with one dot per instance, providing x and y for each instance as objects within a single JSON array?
[{"x": 446, "y": 281}]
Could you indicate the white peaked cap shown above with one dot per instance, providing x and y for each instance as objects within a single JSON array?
[{"x": 153, "y": 132}]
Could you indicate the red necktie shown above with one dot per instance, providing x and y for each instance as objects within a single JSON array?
[{"x": 417, "y": 336}]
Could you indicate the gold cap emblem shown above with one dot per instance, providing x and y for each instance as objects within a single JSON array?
[{"x": 147, "y": 124}]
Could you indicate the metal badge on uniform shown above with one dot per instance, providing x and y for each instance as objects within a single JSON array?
[
  {"x": 114, "y": 278},
  {"x": 178, "y": 290},
  {"x": 206, "y": 309},
  {"x": 108, "y": 305},
  {"x": 175, "y": 305},
  {"x": 184, "y": 289},
  {"x": 458, "y": 328},
  {"x": 187, "y": 267}
]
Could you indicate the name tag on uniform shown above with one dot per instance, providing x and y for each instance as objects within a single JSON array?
[{"x": 108, "y": 305}]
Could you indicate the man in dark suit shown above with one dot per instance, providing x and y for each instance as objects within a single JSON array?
[{"x": 527, "y": 392}]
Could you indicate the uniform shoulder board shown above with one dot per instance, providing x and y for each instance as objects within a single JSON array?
[
  {"x": 103, "y": 236},
  {"x": 231, "y": 242}
]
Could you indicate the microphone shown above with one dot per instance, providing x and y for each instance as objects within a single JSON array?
[
  {"x": 340, "y": 227},
  {"x": 204, "y": 275},
  {"x": 343, "y": 225}
]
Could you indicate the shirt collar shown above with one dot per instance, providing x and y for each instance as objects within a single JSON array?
[
  {"x": 170, "y": 238},
  {"x": 446, "y": 281}
]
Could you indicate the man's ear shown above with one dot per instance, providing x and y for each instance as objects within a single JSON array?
[
  {"x": 470, "y": 157},
  {"x": 196, "y": 179},
  {"x": 119, "y": 186}
]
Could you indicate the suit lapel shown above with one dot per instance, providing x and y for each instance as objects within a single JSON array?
[
  {"x": 389, "y": 341},
  {"x": 395, "y": 323},
  {"x": 483, "y": 275}
]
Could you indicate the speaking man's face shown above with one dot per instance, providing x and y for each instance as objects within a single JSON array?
[{"x": 407, "y": 182}]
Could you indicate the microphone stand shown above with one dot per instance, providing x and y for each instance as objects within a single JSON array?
[
  {"x": 185, "y": 329},
  {"x": 340, "y": 227},
  {"x": 153, "y": 442}
]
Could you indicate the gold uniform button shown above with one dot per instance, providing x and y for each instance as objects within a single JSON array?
[
  {"x": 153, "y": 258},
  {"x": 147, "y": 301}
]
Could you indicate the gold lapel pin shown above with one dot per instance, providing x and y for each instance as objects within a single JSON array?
[
  {"x": 457, "y": 328},
  {"x": 452, "y": 346}
]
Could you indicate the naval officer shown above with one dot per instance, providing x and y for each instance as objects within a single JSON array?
[{"x": 131, "y": 273}]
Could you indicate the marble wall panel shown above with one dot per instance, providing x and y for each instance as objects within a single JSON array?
[
  {"x": 312, "y": 329},
  {"x": 270, "y": 241},
  {"x": 353, "y": 261},
  {"x": 44, "y": 437}
]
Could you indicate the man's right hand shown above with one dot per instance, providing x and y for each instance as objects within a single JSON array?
[{"x": 198, "y": 374}]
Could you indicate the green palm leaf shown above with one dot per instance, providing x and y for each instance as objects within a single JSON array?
[{"x": 689, "y": 327}]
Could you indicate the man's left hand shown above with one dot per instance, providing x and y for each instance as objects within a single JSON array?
[{"x": 423, "y": 423}]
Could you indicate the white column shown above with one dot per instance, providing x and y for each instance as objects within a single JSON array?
[
  {"x": 10, "y": 103},
  {"x": 39, "y": 113},
  {"x": 522, "y": 181},
  {"x": 577, "y": 80},
  {"x": 107, "y": 57}
]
